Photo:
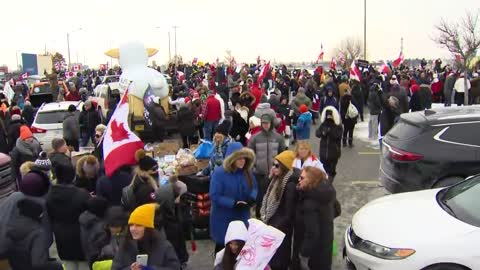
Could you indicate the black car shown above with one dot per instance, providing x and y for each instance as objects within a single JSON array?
[{"x": 430, "y": 149}]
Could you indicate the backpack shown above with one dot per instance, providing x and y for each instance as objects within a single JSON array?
[
  {"x": 128, "y": 198},
  {"x": 352, "y": 111}
]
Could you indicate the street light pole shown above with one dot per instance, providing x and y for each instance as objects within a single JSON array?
[
  {"x": 169, "y": 49},
  {"x": 175, "y": 33},
  {"x": 365, "y": 29},
  {"x": 68, "y": 47}
]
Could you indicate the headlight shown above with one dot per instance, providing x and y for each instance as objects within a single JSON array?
[{"x": 384, "y": 252}]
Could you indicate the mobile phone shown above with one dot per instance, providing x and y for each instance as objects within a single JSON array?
[{"x": 142, "y": 259}]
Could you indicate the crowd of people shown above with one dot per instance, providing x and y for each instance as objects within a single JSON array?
[{"x": 262, "y": 164}]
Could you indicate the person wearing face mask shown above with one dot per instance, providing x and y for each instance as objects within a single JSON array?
[
  {"x": 143, "y": 239},
  {"x": 330, "y": 134},
  {"x": 314, "y": 219},
  {"x": 27, "y": 148}
]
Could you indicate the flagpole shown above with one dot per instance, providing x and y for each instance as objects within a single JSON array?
[{"x": 365, "y": 29}]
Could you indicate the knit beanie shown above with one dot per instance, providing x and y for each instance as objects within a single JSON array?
[
  {"x": 146, "y": 163},
  {"x": 143, "y": 215},
  {"x": 25, "y": 133},
  {"x": 303, "y": 108},
  {"x": 16, "y": 117},
  {"x": 43, "y": 163},
  {"x": 286, "y": 158},
  {"x": 72, "y": 108},
  {"x": 116, "y": 217},
  {"x": 266, "y": 118},
  {"x": 223, "y": 128},
  {"x": 97, "y": 206},
  {"x": 34, "y": 184}
]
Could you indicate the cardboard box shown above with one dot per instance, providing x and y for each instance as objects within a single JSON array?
[{"x": 167, "y": 147}]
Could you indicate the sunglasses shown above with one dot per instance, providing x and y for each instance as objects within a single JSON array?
[
  {"x": 97, "y": 136},
  {"x": 276, "y": 165}
]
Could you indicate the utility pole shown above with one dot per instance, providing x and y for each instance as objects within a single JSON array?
[
  {"x": 175, "y": 33},
  {"x": 401, "y": 45},
  {"x": 68, "y": 47},
  {"x": 365, "y": 29},
  {"x": 169, "y": 49}
]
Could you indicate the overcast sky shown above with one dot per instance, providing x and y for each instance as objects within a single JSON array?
[{"x": 284, "y": 30}]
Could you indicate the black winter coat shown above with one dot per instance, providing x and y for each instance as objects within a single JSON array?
[
  {"x": 93, "y": 235},
  {"x": 21, "y": 153},
  {"x": 13, "y": 133},
  {"x": 89, "y": 120},
  {"x": 30, "y": 250},
  {"x": 3, "y": 138},
  {"x": 111, "y": 188},
  {"x": 388, "y": 115},
  {"x": 402, "y": 95},
  {"x": 344, "y": 103},
  {"x": 162, "y": 257},
  {"x": 186, "y": 126},
  {"x": 60, "y": 159},
  {"x": 315, "y": 210},
  {"x": 374, "y": 101},
  {"x": 239, "y": 127},
  {"x": 358, "y": 97},
  {"x": 28, "y": 114},
  {"x": 65, "y": 204},
  {"x": 422, "y": 99},
  {"x": 330, "y": 136},
  {"x": 284, "y": 220}
]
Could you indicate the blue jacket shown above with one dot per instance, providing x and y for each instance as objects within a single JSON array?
[
  {"x": 229, "y": 185},
  {"x": 302, "y": 128}
]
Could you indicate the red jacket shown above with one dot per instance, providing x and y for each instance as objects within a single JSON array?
[
  {"x": 212, "y": 110},
  {"x": 257, "y": 93},
  {"x": 72, "y": 96}
]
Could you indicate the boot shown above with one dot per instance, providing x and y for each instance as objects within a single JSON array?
[
  {"x": 350, "y": 142},
  {"x": 344, "y": 143}
]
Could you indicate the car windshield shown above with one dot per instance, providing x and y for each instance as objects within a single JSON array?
[
  {"x": 51, "y": 117},
  {"x": 462, "y": 201}
]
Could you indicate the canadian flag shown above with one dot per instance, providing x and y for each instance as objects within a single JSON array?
[
  {"x": 384, "y": 68},
  {"x": 263, "y": 72},
  {"x": 354, "y": 72},
  {"x": 195, "y": 60},
  {"x": 320, "y": 56},
  {"x": 398, "y": 61},
  {"x": 333, "y": 64},
  {"x": 119, "y": 142},
  {"x": 68, "y": 74},
  {"x": 25, "y": 76},
  {"x": 76, "y": 67}
]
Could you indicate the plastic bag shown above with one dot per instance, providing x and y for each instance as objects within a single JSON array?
[
  {"x": 204, "y": 150},
  {"x": 185, "y": 158},
  {"x": 102, "y": 265}
]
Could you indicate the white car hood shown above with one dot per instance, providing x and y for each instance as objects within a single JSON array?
[{"x": 404, "y": 220}]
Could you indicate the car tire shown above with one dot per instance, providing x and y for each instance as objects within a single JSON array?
[
  {"x": 448, "y": 181},
  {"x": 446, "y": 266}
]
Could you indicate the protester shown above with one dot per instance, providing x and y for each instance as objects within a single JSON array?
[
  {"x": 158, "y": 118},
  {"x": 233, "y": 190},
  {"x": 221, "y": 141},
  {"x": 349, "y": 121},
  {"x": 279, "y": 203},
  {"x": 448, "y": 88},
  {"x": 65, "y": 204},
  {"x": 304, "y": 122},
  {"x": 401, "y": 94},
  {"x": 315, "y": 211},
  {"x": 111, "y": 188},
  {"x": 266, "y": 144},
  {"x": 87, "y": 173},
  {"x": 143, "y": 239},
  {"x": 235, "y": 238},
  {"x": 375, "y": 108},
  {"x": 305, "y": 158},
  {"x": 421, "y": 98},
  {"x": 71, "y": 128},
  {"x": 211, "y": 115},
  {"x": 239, "y": 123},
  {"x": 72, "y": 94},
  {"x": 14, "y": 130},
  {"x": 28, "y": 113},
  {"x": 89, "y": 119},
  {"x": 330, "y": 134},
  {"x": 4, "y": 143},
  {"x": 186, "y": 126},
  {"x": 329, "y": 99},
  {"x": 98, "y": 152},
  {"x": 30, "y": 248},
  {"x": 60, "y": 155},
  {"x": 26, "y": 148},
  {"x": 460, "y": 87},
  {"x": 390, "y": 112},
  {"x": 358, "y": 97},
  {"x": 43, "y": 164}
]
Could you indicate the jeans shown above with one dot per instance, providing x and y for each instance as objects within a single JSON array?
[
  {"x": 87, "y": 136},
  {"x": 348, "y": 131},
  {"x": 373, "y": 127},
  {"x": 262, "y": 182},
  {"x": 73, "y": 143},
  {"x": 209, "y": 129}
]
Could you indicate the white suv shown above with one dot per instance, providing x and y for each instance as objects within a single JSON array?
[{"x": 48, "y": 123}]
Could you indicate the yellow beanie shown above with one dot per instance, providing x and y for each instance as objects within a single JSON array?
[
  {"x": 143, "y": 215},
  {"x": 286, "y": 158}
]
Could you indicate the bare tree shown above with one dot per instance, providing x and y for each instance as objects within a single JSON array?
[
  {"x": 349, "y": 49},
  {"x": 462, "y": 38}
]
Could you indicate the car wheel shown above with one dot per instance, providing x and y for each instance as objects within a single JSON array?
[
  {"x": 446, "y": 266},
  {"x": 448, "y": 181}
]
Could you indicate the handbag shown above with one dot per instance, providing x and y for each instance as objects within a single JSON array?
[{"x": 337, "y": 209}]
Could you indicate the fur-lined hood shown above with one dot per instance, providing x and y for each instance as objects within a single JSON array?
[
  {"x": 235, "y": 151},
  {"x": 91, "y": 160},
  {"x": 336, "y": 115}
]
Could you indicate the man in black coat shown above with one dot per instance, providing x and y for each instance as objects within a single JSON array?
[
  {"x": 14, "y": 130},
  {"x": 330, "y": 134},
  {"x": 28, "y": 113},
  {"x": 111, "y": 188}
]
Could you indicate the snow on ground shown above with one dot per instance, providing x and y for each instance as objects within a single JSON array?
[{"x": 361, "y": 133}]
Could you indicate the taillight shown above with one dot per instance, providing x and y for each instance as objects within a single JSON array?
[
  {"x": 402, "y": 155},
  {"x": 38, "y": 130}
]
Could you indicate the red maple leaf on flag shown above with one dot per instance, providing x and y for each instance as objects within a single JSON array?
[{"x": 119, "y": 133}]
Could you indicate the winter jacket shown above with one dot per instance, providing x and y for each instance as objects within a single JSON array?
[
  {"x": 264, "y": 108},
  {"x": 266, "y": 145},
  {"x": 388, "y": 115},
  {"x": 13, "y": 133},
  {"x": 158, "y": 116},
  {"x": 401, "y": 94},
  {"x": 28, "y": 114},
  {"x": 422, "y": 99},
  {"x": 23, "y": 152},
  {"x": 344, "y": 103},
  {"x": 111, "y": 188},
  {"x": 30, "y": 248},
  {"x": 328, "y": 101},
  {"x": 239, "y": 127},
  {"x": 330, "y": 134},
  {"x": 72, "y": 96},
  {"x": 449, "y": 85},
  {"x": 162, "y": 256},
  {"x": 3, "y": 138},
  {"x": 65, "y": 204},
  {"x": 460, "y": 85},
  {"x": 71, "y": 127},
  {"x": 374, "y": 102},
  {"x": 59, "y": 159},
  {"x": 358, "y": 97},
  {"x": 186, "y": 126},
  {"x": 302, "y": 128},
  {"x": 89, "y": 120},
  {"x": 81, "y": 179},
  {"x": 315, "y": 214},
  {"x": 284, "y": 220},
  {"x": 9, "y": 212},
  {"x": 212, "y": 110},
  {"x": 226, "y": 188},
  {"x": 298, "y": 101},
  {"x": 93, "y": 235},
  {"x": 311, "y": 161},
  {"x": 343, "y": 88},
  {"x": 217, "y": 157}
]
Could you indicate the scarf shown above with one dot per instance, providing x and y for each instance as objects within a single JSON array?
[{"x": 270, "y": 203}]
